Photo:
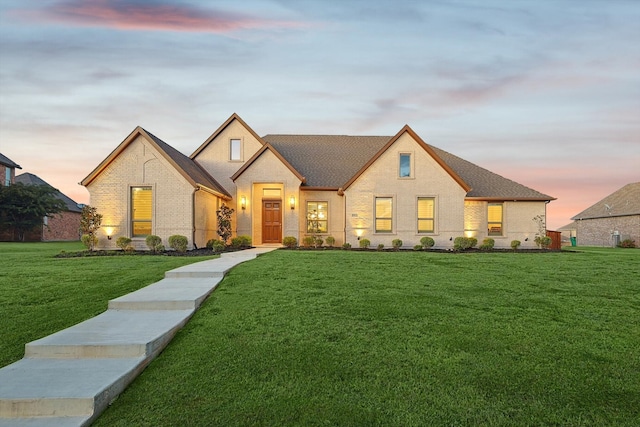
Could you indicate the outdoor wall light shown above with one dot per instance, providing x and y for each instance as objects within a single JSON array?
[
  {"x": 359, "y": 232},
  {"x": 526, "y": 239},
  {"x": 243, "y": 202},
  {"x": 109, "y": 231},
  {"x": 292, "y": 202},
  {"x": 108, "y": 236}
]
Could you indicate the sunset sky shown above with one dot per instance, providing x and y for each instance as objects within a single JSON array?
[{"x": 546, "y": 93}]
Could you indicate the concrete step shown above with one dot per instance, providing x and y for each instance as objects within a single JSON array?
[
  {"x": 112, "y": 334},
  {"x": 45, "y": 422},
  {"x": 168, "y": 294},
  {"x": 77, "y": 388}
]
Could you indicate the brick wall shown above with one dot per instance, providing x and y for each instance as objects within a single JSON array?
[{"x": 597, "y": 231}]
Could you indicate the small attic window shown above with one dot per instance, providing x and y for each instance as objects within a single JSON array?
[{"x": 235, "y": 150}]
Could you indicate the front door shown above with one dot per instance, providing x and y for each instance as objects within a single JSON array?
[{"x": 271, "y": 221}]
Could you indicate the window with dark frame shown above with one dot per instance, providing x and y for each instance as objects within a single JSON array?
[{"x": 317, "y": 217}]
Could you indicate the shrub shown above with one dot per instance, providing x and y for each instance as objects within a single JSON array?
[
  {"x": 330, "y": 240},
  {"x": 318, "y": 242},
  {"x": 396, "y": 243},
  {"x": 216, "y": 245},
  {"x": 123, "y": 242},
  {"x": 417, "y": 247},
  {"x": 487, "y": 244},
  {"x": 380, "y": 246},
  {"x": 515, "y": 244},
  {"x": 224, "y": 222},
  {"x": 627, "y": 243},
  {"x": 242, "y": 241},
  {"x": 159, "y": 248},
  {"x": 130, "y": 249},
  {"x": 346, "y": 245},
  {"x": 290, "y": 241},
  {"x": 427, "y": 242},
  {"x": 308, "y": 241},
  {"x": 464, "y": 243},
  {"x": 152, "y": 241},
  {"x": 89, "y": 241},
  {"x": 365, "y": 243},
  {"x": 178, "y": 243}
]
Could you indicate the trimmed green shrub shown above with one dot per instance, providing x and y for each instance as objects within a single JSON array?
[
  {"x": 290, "y": 242},
  {"x": 346, "y": 245},
  {"x": 216, "y": 245},
  {"x": 396, "y": 243},
  {"x": 365, "y": 243},
  {"x": 152, "y": 241},
  {"x": 242, "y": 241},
  {"x": 515, "y": 244},
  {"x": 417, "y": 247},
  {"x": 427, "y": 242},
  {"x": 130, "y": 249},
  {"x": 487, "y": 244},
  {"x": 123, "y": 242},
  {"x": 89, "y": 241},
  {"x": 627, "y": 243},
  {"x": 318, "y": 242},
  {"x": 464, "y": 243},
  {"x": 178, "y": 242},
  {"x": 159, "y": 248},
  {"x": 330, "y": 240},
  {"x": 380, "y": 246},
  {"x": 308, "y": 241}
]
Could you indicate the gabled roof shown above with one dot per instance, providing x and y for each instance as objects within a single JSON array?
[
  {"x": 260, "y": 152},
  {"x": 624, "y": 202},
  {"x": 333, "y": 161},
  {"x": 222, "y": 127},
  {"x": 31, "y": 179},
  {"x": 4, "y": 160},
  {"x": 188, "y": 168}
]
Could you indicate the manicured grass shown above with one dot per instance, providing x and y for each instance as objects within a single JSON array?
[
  {"x": 404, "y": 339},
  {"x": 41, "y": 294}
]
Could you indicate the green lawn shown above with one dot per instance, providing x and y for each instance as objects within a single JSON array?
[
  {"x": 41, "y": 294},
  {"x": 404, "y": 339}
]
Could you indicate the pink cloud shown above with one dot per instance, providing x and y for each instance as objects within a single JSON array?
[{"x": 151, "y": 17}]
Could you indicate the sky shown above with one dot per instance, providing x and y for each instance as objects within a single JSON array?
[{"x": 546, "y": 93}]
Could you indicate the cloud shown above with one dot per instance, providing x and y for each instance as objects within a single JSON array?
[{"x": 151, "y": 16}]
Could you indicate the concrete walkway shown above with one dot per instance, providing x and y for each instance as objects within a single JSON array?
[{"x": 70, "y": 377}]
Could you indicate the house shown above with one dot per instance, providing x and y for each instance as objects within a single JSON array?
[
  {"x": 610, "y": 220},
  {"x": 64, "y": 225},
  {"x": 350, "y": 187},
  {"x": 7, "y": 170}
]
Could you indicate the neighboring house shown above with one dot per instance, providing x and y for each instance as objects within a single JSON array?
[
  {"x": 611, "y": 220},
  {"x": 7, "y": 170},
  {"x": 64, "y": 225},
  {"x": 350, "y": 187}
]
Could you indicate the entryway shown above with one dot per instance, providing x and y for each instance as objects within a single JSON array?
[{"x": 271, "y": 221}]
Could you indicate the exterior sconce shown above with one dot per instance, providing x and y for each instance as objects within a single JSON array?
[
  {"x": 359, "y": 232},
  {"x": 526, "y": 239},
  {"x": 243, "y": 202},
  {"x": 109, "y": 231},
  {"x": 292, "y": 202},
  {"x": 108, "y": 236}
]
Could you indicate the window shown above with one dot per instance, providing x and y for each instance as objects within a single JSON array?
[
  {"x": 426, "y": 209},
  {"x": 7, "y": 177},
  {"x": 317, "y": 217},
  {"x": 235, "y": 150},
  {"x": 384, "y": 214},
  {"x": 404, "y": 170},
  {"x": 494, "y": 219},
  {"x": 141, "y": 211}
]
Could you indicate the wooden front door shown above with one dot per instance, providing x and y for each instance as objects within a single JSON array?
[{"x": 271, "y": 221}]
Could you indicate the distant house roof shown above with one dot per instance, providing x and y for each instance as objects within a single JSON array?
[
  {"x": 187, "y": 167},
  {"x": 624, "y": 202},
  {"x": 331, "y": 161},
  {"x": 4, "y": 160},
  {"x": 31, "y": 179}
]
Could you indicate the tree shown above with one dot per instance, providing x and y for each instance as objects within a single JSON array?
[
  {"x": 23, "y": 207},
  {"x": 224, "y": 222},
  {"x": 89, "y": 225}
]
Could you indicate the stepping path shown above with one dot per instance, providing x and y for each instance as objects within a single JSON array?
[{"x": 70, "y": 377}]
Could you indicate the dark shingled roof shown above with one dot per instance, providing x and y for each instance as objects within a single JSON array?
[
  {"x": 31, "y": 179},
  {"x": 332, "y": 160},
  {"x": 189, "y": 166},
  {"x": 624, "y": 202},
  {"x": 4, "y": 160}
]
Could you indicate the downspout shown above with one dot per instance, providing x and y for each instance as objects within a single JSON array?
[
  {"x": 193, "y": 217},
  {"x": 344, "y": 210}
]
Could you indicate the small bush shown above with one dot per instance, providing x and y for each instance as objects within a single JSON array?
[
  {"x": 543, "y": 242},
  {"x": 89, "y": 241},
  {"x": 515, "y": 244},
  {"x": 123, "y": 242},
  {"x": 330, "y": 240},
  {"x": 308, "y": 241},
  {"x": 216, "y": 245},
  {"x": 152, "y": 241},
  {"x": 427, "y": 242},
  {"x": 346, "y": 245},
  {"x": 417, "y": 247},
  {"x": 178, "y": 243},
  {"x": 130, "y": 249},
  {"x": 242, "y": 241},
  {"x": 396, "y": 243},
  {"x": 159, "y": 248},
  {"x": 318, "y": 242},
  {"x": 290, "y": 242},
  {"x": 464, "y": 243},
  {"x": 364, "y": 243},
  {"x": 627, "y": 243},
  {"x": 487, "y": 244},
  {"x": 380, "y": 246}
]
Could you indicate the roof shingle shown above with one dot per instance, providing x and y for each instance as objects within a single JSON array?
[
  {"x": 624, "y": 202},
  {"x": 31, "y": 179}
]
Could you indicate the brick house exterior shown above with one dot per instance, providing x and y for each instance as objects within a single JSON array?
[
  {"x": 610, "y": 220},
  {"x": 7, "y": 170},
  {"x": 349, "y": 187}
]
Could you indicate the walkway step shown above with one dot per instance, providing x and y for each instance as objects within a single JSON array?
[
  {"x": 114, "y": 333},
  {"x": 168, "y": 294}
]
